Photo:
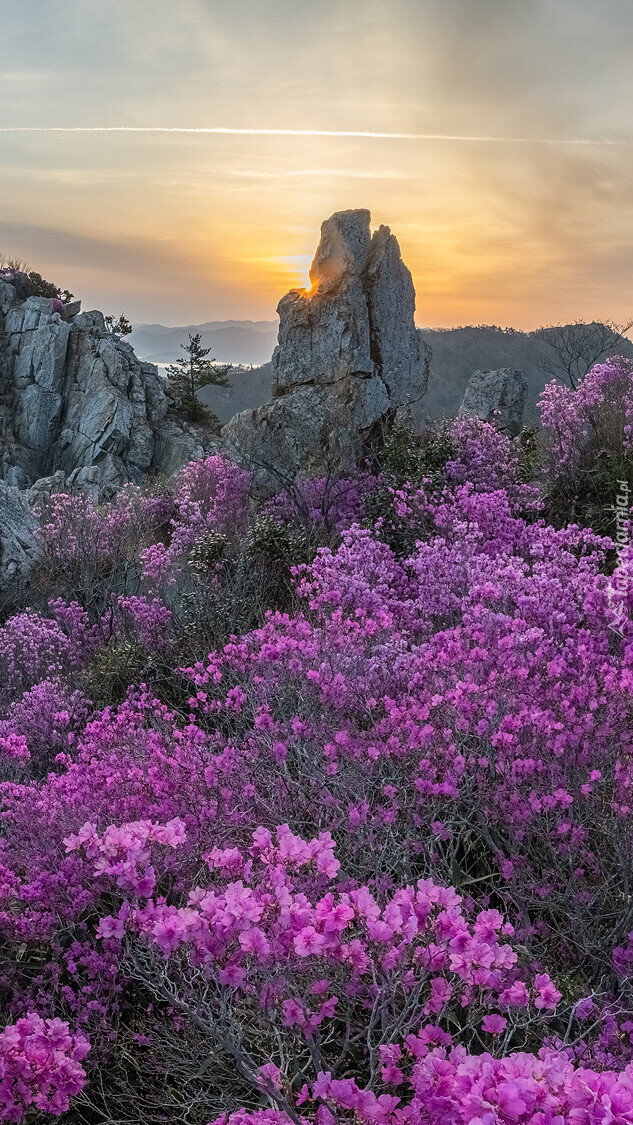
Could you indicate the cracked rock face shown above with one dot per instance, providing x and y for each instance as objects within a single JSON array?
[
  {"x": 78, "y": 410},
  {"x": 74, "y": 398},
  {"x": 497, "y": 397},
  {"x": 18, "y": 546},
  {"x": 349, "y": 356}
]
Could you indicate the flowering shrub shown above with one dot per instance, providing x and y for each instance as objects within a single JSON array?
[
  {"x": 210, "y": 495},
  {"x": 148, "y": 619},
  {"x": 369, "y": 855},
  {"x": 450, "y": 1087},
  {"x": 588, "y": 440},
  {"x": 488, "y": 460},
  {"x": 89, "y": 548},
  {"x": 48, "y": 718},
  {"x": 325, "y": 502},
  {"x": 31, "y": 648},
  {"x": 285, "y": 938},
  {"x": 40, "y": 1066},
  {"x": 602, "y": 404}
]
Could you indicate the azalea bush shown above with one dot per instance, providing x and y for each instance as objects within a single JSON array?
[
  {"x": 588, "y": 443},
  {"x": 88, "y": 552},
  {"x": 320, "y": 810}
]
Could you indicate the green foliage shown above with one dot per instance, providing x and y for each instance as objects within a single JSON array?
[
  {"x": 196, "y": 411},
  {"x": 207, "y": 552},
  {"x": 114, "y": 668},
  {"x": 591, "y": 502},
  {"x": 118, "y": 325},
  {"x": 526, "y": 444},
  {"x": 274, "y": 548},
  {"x": 400, "y": 455},
  {"x": 436, "y": 448},
  {"x": 276, "y": 542},
  {"x": 194, "y": 370},
  {"x": 407, "y": 457},
  {"x": 41, "y": 288}
]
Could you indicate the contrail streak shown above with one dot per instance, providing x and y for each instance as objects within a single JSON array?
[{"x": 222, "y": 131}]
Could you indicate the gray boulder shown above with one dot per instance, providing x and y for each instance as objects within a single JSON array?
[
  {"x": 497, "y": 397},
  {"x": 302, "y": 432},
  {"x": 7, "y": 296},
  {"x": 175, "y": 447},
  {"x": 70, "y": 310},
  {"x": 45, "y": 487}
]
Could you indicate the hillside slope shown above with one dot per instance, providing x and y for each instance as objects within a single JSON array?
[
  {"x": 458, "y": 352},
  {"x": 231, "y": 341}
]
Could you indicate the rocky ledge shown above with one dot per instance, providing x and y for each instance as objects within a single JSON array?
[{"x": 79, "y": 410}]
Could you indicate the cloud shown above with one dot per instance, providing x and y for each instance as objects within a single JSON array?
[
  {"x": 222, "y": 130},
  {"x": 494, "y": 137},
  {"x": 64, "y": 248}
]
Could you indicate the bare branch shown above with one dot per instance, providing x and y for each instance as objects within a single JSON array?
[{"x": 574, "y": 348}]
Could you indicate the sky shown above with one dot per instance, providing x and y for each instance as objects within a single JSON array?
[{"x": 506, "y": 172}]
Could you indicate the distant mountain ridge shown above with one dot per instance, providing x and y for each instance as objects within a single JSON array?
[
  {"x": 459, "y": 352},
  {"x": 231, "y": 341}
]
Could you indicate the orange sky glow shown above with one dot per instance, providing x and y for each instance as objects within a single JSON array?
[{"x": 504, "y": 213}]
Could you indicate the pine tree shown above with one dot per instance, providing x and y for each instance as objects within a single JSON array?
[
  {"x": 194, "y": 370},
  {"x": 118, "y": 325}
]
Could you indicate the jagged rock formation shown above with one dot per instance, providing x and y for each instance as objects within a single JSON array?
[
  {"x": 349, "y": 357},
  {"x": 75, "y": 398},
  {"x": 497, "y": 397}
]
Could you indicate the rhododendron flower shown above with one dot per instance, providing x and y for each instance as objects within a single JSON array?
[
  {"x": 308, "y": 942},
  {"x": 547, "y": 994},
  {"x": 254, "y": 941},
  {"x": 268, "y": 1075},
  {"x": 40, "y": 1067}
]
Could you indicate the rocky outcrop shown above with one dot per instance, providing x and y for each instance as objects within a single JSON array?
[
  {"x": 74, "y": 398},
  {"x": 497, "y": 397},
  {"x": 348, "y": 361},
  {"x": 18, "y": 546}
]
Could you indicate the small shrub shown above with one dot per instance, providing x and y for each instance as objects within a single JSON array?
[
  {"x": 588, "y": 444},
  {"x": 114, "y": 669},
  {"x": 208, "y": 551}
]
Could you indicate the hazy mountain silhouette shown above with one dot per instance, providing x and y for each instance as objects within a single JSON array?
[
  {"x": 231, "y": 341},
  {"x": 457, "y": 353}
]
